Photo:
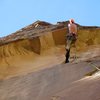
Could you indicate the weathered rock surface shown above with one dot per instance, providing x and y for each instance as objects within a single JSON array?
[
  {"x": 30, "y": 60},
  {"x": 43, "y": 84}
]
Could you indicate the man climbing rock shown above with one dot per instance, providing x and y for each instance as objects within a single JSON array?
[{"x": 71, "y": 38}]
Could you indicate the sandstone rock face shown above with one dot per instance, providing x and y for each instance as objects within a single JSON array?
[
  {"x": 42, "y": 84},
  {"x": 30, "y": 60},
  {"x": 44, "y": 44}
]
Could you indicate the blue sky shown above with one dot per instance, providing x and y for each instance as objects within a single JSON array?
[{"x": 16, "y": 14}]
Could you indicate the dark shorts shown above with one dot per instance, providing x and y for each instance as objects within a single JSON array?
[{"x": 71, "y": 39}]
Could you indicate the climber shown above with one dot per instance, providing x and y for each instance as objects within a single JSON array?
[{"x": 71, "y": 38}]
